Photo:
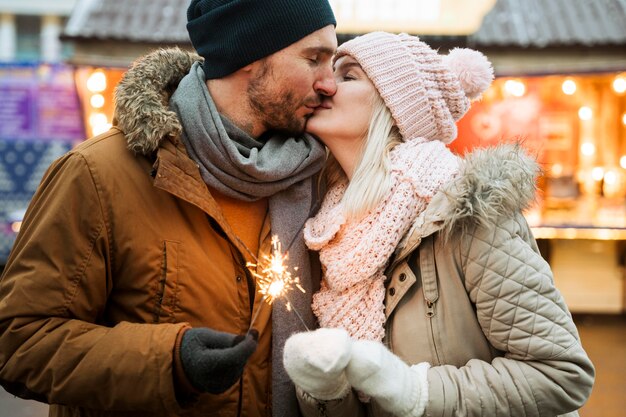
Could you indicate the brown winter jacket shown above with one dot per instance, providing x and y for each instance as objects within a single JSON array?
[
  {"x": 119, "y": 251},
  {"x": 469, "y": 293}
]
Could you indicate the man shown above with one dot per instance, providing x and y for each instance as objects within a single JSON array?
[{"x": 127, "y": 291}]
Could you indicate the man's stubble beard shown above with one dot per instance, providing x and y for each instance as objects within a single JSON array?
[{"x": 275, "y": 110}]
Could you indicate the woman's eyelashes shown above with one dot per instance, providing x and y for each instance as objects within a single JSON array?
[{"x": 348, "y": 76}]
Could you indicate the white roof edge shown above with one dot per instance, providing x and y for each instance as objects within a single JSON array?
[
  {"x": 38, "y": 7},
  {"x": 79, "y": 15}
]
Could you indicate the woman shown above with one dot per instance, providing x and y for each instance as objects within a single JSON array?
[{"x": 435, "y": 299}]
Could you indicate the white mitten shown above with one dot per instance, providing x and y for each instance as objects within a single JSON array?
[
  {"x": 316, "y": 362},
  {"x": 397, "y": 387}
]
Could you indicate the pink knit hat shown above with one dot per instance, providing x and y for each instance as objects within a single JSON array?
[{"x": 426, "y": 93}]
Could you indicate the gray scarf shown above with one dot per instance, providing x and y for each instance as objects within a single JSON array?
[{"x": 281, "y": 168}]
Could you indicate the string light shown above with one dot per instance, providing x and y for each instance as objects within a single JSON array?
[
  {"x": 619, "y": 85},
  {"x": 557, "y": 170},
  {"x": 97, "y": 101},
  {"x": 97, "y": 82},
  {"x": 588, "y": 149},
  {"x": 585, "y": 113},
  {"x": 515, "y": 88},
  {"x": 99, "y": 123},
  {"x": 97, "y": 119},
  {"x": 101, "y": 128},
  {"x": 597, "y": 173},
  {"x": 610, "y": 178},
  {"x": 569, "y": 87}
]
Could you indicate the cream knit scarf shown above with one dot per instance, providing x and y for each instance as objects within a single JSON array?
[{"x": 355, "y": 253}]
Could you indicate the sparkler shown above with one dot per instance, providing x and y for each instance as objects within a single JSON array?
[{"x": 274, "y": 280}]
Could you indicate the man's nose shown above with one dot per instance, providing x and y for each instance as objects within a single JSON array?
[{"x": 326, "y": 85}]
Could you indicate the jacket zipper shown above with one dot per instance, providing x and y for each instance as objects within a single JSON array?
[
  {"x": 251, "y": 290},
  {"x": 430, "y": 313},
  {"x": 251, "y": 293},
  {"x": 428, "y": 274},
  {"x": 249, "y": 279}
]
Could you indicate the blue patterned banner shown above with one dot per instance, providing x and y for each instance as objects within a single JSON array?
[{"x": 22, "y": 165}]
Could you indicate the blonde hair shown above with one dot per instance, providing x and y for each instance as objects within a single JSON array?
[{"x": 371, "y": 179}]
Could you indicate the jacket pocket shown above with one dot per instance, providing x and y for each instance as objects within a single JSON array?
[{"x": 166, "y": 294}]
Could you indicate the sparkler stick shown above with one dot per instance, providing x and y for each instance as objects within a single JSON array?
[{"x": 295, "y": 310}]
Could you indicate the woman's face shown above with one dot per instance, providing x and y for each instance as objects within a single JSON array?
[{"x": 344, "y": 118}]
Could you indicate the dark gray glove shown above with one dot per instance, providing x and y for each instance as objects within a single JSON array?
[{"x": 213, "y": 361}]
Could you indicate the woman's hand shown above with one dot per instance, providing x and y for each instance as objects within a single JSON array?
[
  {"x": 381, "y": 375},
  {"x": 316, "y": 362}
]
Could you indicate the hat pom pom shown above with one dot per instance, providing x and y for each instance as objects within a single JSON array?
[{"x": 473, "y": 70}]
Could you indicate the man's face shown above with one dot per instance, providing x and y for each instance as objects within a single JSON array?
[{"x": 289, "y": 84}]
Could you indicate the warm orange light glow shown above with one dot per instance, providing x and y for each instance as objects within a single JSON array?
[{"x": 16, "y": 226}]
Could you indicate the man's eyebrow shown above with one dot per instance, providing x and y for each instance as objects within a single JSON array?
[{"x": 320, "y": 49}]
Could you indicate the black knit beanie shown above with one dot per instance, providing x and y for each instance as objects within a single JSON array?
[{"x": 230, "y": 34}]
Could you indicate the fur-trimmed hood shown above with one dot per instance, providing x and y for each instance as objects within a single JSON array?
[
  {"x": 143, "y": 94},
  {"x": 492, "y": 182}
]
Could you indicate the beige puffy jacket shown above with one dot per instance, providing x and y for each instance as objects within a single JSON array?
[{"x": 469, "y": 293}]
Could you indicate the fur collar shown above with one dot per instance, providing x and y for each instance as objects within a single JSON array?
[
  {"x": 142, "y": 97},
  {"x": 493, "y": 182}
]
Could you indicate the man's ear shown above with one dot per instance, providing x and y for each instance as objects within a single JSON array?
[
  {"x": 249, "y": 68},
  {"x": 257, "y": 67},
  {"x": 254, "y": 67}
]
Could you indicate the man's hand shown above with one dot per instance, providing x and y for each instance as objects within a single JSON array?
[
  {"x": 316, "y": 361},
  {"x": 213, "y": 361},
  {"x": 381, "y": 375}
]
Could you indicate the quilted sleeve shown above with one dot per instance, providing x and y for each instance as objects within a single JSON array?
[{"x": 544, "y": 370}]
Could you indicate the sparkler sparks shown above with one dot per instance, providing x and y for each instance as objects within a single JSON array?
[{"x": 273, "y": 278}]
